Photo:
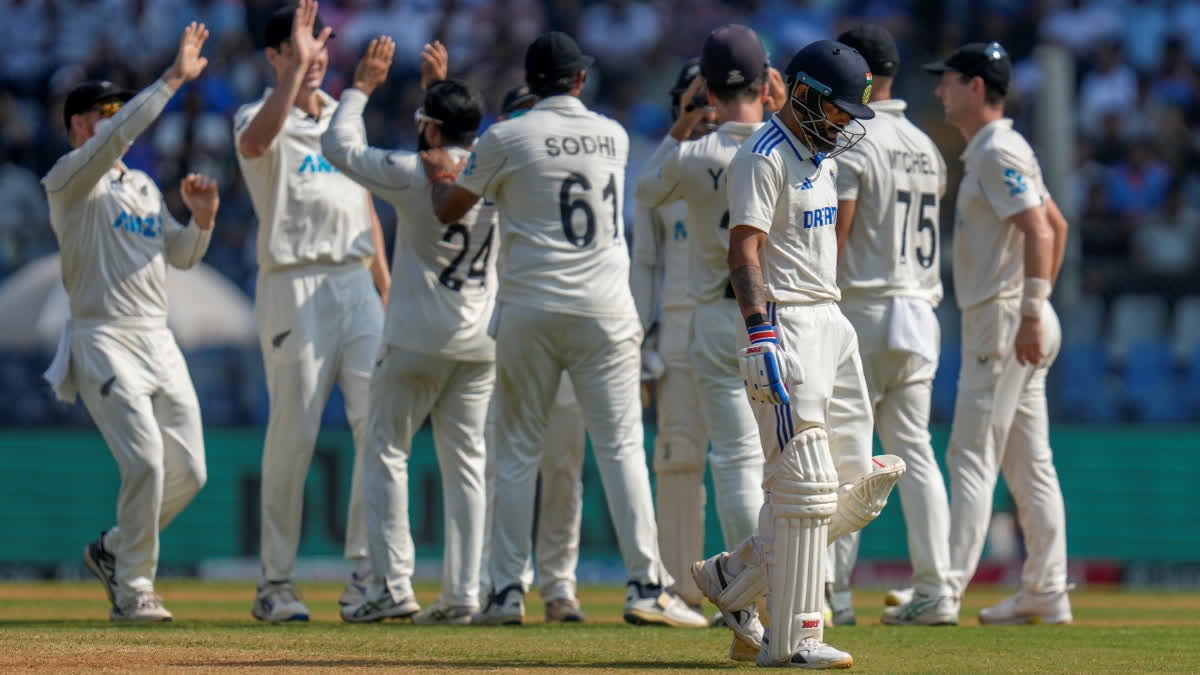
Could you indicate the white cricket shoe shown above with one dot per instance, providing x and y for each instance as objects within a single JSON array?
[
  {"x": 652, "y": 604},
  {"x": 898, "y": 596},
  {"x": 711, "y": 579},
  {"x": 923, "y": 610},
  {"x": 103, "y": 565},
  {"x": 1029, "y": 608},
  {"x": 812, "y": 654},
  {"x": 379, "y": 606},
  {"x": 564, "y": 610},
  {"x": 505, "y": 608},
  {"x": 143, "y": 606},
  {"x": 445, "y": 615},
  {"x": 356, "y": 588},
  {"x": 277, "y": 602}
]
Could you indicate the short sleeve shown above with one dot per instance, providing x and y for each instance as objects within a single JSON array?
[
  {"x": 852, "y": 164},
  {"x": 754, "y": 185},
  {"x": 1010, "y": 181},
  {"x": 486, "y": 167}
]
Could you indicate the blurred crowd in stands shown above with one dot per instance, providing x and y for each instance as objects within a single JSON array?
[{"x": 1133, "y": 199}]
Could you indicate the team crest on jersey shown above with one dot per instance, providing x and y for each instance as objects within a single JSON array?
[
  {"x": 867, "y": 90},
  {"x": 1015, "y": 182}
]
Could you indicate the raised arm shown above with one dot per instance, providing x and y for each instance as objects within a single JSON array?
[
  {"x": 265, "y": 126},
  {"x": 74, "y": 176},
  {"x": 186, "y": 246}
]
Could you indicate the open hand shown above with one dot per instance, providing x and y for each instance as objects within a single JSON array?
[
  {"x": 305, "y": 46},
  {"x": 372, "y": 69},
  {"x": 200, "y": 196},
  {"x": 188, "y": 63},
  {"x": 434, "y": 64}
]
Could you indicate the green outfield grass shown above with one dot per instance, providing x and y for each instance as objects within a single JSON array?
[{"x": 53, "y": 626}]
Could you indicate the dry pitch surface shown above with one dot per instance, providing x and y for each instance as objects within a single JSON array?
[{"x": 63, "y": 627}]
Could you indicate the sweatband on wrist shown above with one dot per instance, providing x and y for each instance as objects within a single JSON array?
[
  {"x": 1034, "y": 296},
  {"x": 756, "y": 319},
  {"x": 763, "y": 332}
]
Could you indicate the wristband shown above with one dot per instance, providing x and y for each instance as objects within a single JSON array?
[
  {"x": 763, "y": 332},
  {"x": 755, "y": 319},
  {"x": 1035, "y": 294},
  {"x": 444, "y": 174}
]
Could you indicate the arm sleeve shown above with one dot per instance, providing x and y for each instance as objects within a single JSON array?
[
  {"x": 754, "y": 186},
  {"x": 852, "y": 168},
  {"x": 74, "y": 176},
  {"x": 486, "y": 167},
  {"x": 344, "y": 144},
  {"x": 660, "y": 176},
  {"x": 643, "y": 276},
  {"x": 1010, "y": 182},
  {"x": 184, "y": 245}
]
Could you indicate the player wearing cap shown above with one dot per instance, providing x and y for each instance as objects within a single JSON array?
[
  {"x": 1009, "y": 238},
  {"x": 556, "y": 174},
  {"x": 117, "y": 237},
  {"x": 446, "y": 286},
  {"x": 733, "y": 65},
  {"x": 801, "y": 368},
  {"x": 890, "y": 185},
  {"x": 319, "y": 318}
]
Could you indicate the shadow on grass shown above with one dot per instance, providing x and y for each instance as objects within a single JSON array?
[{"x": 447, "y": 664}]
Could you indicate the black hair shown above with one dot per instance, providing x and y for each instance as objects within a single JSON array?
[
  {"x": 554, "y": 87},
  {"x": 459, "y": 107},
  {"x": 992, "y": 95}
]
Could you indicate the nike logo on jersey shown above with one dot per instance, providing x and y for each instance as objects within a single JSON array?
[
  {"x": 278, "y": 339},
  {"x": 316, "y": 164},
  {"x": 149, "y": 227},
  {"x": 106, "y": 388},
  {"x": 820, "y": 217},
  {"x": 716, "y": 176}
]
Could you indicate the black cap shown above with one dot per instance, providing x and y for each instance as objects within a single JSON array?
[
  {"x": 279, "y": 27},
  {"x": 517, "y": 98},
  {"x": 686, "y": 74},
  {"x": 552, "y": 56},
  {"x": 876, "y": 45},
  {"x": 732, "y": 57},
  {"x": 837, "y": 72},
  {"x": 987, "y": 60},
  {"x": 87, "y": 94}
]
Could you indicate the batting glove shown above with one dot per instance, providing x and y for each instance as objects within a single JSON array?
[{"x": 764, "y": 366}]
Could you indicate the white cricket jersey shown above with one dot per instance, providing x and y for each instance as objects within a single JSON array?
[
  {"x": 308, "y": 211},
  {"x": 896, "y": 176},
  {"x": 443, "y": 276},
  {"x": 661, "y": 240},
  {"x": 1001, "y": 178},
  {"x": 778, "y": 186},
  {"x": 113, "y": 228},
  {"x": 557, "y": 175},
  {"x": 697, "y": 172}
]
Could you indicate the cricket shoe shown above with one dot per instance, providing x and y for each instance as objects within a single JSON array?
[
  {"x": 923, "y": 610},
  {"x": 144, "y": 606},
  {"x": 898, "y": 596},
  {"x": 277, "y": 602},
  {"x": 103, "y": 565},
  {"x": 740, "y": 650},
  {"x": 356, "y": 588},
  {"x": 812, "y": 654},
  {"x": 711, "y": 579},
  {"x": 652, "y": 604},
  {"x": 504, "y": 608},
  {"x": 377, "y": 607},
  {"x": 564, "y": 610},
  {"x": 445, "y": 615},
  {"x": 1025, "y": 607}
]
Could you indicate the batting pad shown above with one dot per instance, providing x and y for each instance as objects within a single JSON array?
[
  {"x": 802, "y": 496},
  {"x": 862, "y": 501}
]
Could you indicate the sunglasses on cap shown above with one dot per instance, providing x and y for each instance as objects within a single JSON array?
[
  {"x": 108, "y": 108},
  {"x": 420, "y": 116}
]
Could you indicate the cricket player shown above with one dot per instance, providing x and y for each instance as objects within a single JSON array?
[
  {"x": 801, "y": 368},
  {"x": 319, "y": 317},
  {"x": 659, "y": 281},
  {"x": 556, "y": 175},
  {"x": 1009, "y": 238},
  {"x": 890, "y": 186},
  {"x": 446, "y": 286},
  {"x": 733, "y": 66},
  {"x": 117, "y": 237}
]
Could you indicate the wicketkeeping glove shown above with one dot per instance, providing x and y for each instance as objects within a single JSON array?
[{"x": 765, "y": 366}]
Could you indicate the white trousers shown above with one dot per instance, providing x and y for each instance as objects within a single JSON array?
[
  {"x": 405, "y": 388},
  {"x": 317, "y": 325},
  {"x": 601, "y": 355},
  {"x": 737, "y": 454},
  {"x": 900, "y": 384},
  {"x": 560, "y": 506},
  {"x": 1001, "y": 424},
  {"x": 135, "y": 384}
]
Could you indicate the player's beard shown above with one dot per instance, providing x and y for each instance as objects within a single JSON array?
[{"x": 423, "y": 143}]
